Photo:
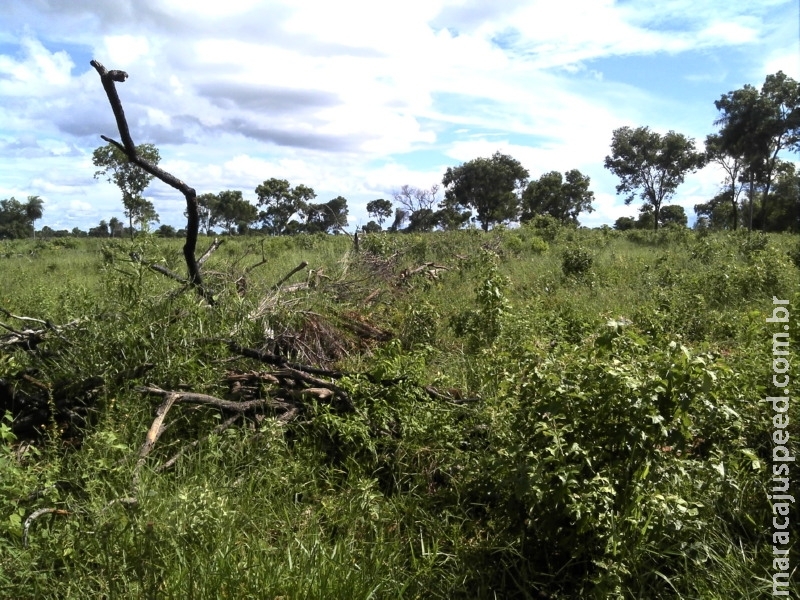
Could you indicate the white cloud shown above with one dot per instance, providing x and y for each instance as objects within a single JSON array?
[{"x": 345, "y": 96}]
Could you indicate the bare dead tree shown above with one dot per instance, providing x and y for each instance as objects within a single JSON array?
[
  {"x": 109, "y": 80},
  {"x": 413, "y": 198}
]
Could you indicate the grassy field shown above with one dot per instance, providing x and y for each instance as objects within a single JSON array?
[{"x": 539, "y": 412}]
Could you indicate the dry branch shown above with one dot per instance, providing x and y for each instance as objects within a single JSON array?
[
  {"x": 299, "y": 267},
  {"x": 211, "y": 249},
  {"x": 35, "y": 515},
  {"x": 230, "y": 405},
  {"x": 280, "y": 361},
  {"x": 30, "y": 338},
  {"x": 109, "y": 80}
]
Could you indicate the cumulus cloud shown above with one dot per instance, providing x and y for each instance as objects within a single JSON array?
[{"x": 355, "y": 97}]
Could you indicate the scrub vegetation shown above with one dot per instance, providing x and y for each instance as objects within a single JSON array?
[{"x": 539, "y": 412}]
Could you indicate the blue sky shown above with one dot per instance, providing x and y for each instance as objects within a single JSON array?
[{"x": 357, "y": 97}]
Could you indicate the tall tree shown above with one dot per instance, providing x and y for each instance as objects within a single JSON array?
[
  {"x": 733, "y": 165},
  {"x": 207, "y": 211},
  {"x": 327, "y": 217},
  {"x": 33, "y": 211},
  {"x": 100, "y": 231},
  {"x": 674, "y": 214},
  {"x": 563, "y": 198},
  {"x": 490, "y": 186},
  {"x": 132, "y": 180},
  {"x": 784, "y": 210},
  {"x": 233, "y": 212},
  {"x": 115, "y": 227},
  {"x": 757, "y": 125},
  {"x": 14, "y": 222},
  {"x": 380, "y": 210},
  {"x": 720, "y": 212},
  {"x": 281, "y": 202},
  {"x": 651, "y": 165},
  {"x": 144, "y": 213}
]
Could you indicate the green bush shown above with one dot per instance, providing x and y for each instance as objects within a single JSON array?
[
  {"x": 576, "y": 262},
  {"x": 538, "y": 245}
]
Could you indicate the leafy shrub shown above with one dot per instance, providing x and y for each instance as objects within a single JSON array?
[
  {"x": 514, "y": 243},
  {"x": 538, "y": 245},
  {"x": 753, "y": 243},
  {"x": 379, "y": 244},
  {"x": 546, "y": 226},
  {"x": 576, "y": 262},
  {"x": 592, "y": 468},
  {"x": 794, "y": 255},
  {"x": 420, "y": 325},
  {"x": 481, "y": 325}
]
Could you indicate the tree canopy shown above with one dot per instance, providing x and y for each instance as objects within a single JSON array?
[
  {"x": 380, "y": 210},
  {"x": 328, "y": 217},
  {"x": 563, "y": 198},
  {"x": 756, "y": 125},
  {"x": 281, "y": 202},
  {"x": 132, "y": 180},
  {"x": 14, "y": 222},
  {"x": 233, "y": 212},
  {"x": 490, "y": 186},
  {"x": 651, "y": 165}
]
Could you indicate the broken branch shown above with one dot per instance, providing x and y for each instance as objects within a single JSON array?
[{"x": 108, "y": 79}]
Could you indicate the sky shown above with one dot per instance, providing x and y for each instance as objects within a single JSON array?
[{"x": 359, "y": 97}]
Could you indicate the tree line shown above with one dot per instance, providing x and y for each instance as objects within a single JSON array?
[{"x": 761, "y": 190}]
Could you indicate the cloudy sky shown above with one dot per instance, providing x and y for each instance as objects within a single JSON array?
[{"x": 358, "y": 97}]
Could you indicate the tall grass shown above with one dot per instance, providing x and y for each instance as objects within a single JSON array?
[{"x": 604, "y": 438}]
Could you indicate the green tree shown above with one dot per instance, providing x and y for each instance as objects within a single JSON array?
[
  {"x": 207, "y": 211},
  {"x": 563, "y": 198},
  {"x": 371, "y": 227},
  {"x": 734, "y": 166},
  {"x": 422, "y": 220},
  {"x": 674, "y": 214},
  {"x": 327, "y": 217},
  {"x": 233, "y": 212},
  {"x": 166, "y": 231},
  {"x": 757, "y": 125},
  {"x": 33, "y": 211},
  {"x": 490, "y": 186},
  {"x": 451, "y": 216},
  {"x": 783, "y": 213},
  {"x": 14, "y": 221},
  {"x": 113, "y": 164},
  {"x": 115, "y": 227},
  {"x": 143, "y": 212},
  {"x": 281, "y": 202},
  {"x": 719, "y": 212},
  {"x": 651, "y": 165},
  {"x": 624, "y": 223},
  {"x": 100, "y": 231},
  {"x": 380, "y": 210}
]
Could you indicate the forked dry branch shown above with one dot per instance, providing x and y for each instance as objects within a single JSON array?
[{"x": 109, "y": 80}]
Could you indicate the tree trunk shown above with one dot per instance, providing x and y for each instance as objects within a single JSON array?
[{"x": 752, "y": 193}]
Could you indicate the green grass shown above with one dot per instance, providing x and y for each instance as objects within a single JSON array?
[{"x": 611, "y": 446}]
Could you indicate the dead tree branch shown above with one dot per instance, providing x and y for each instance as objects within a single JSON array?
[
  {"x": 230, "y": 405},
  {"x": 35, "y": 515},
  {"x": 155, "y": 431},
  {"x": 109, "y": 80},
  {"x": 299, "y": 267},
  {"x": 159, "y": 269},
  {"x": 211, "y": 249}
]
